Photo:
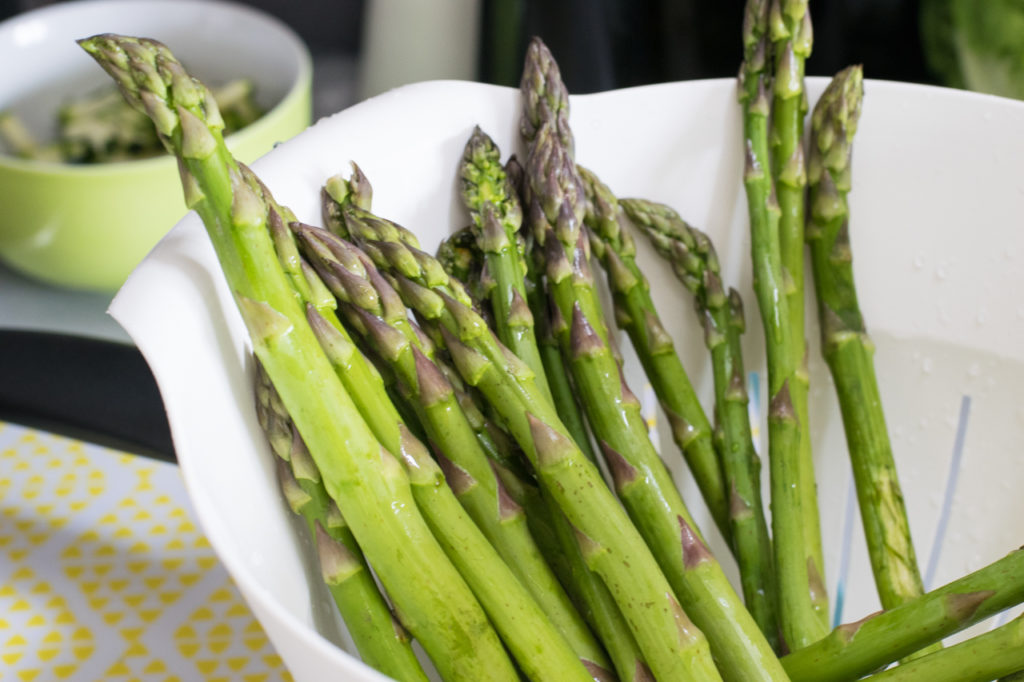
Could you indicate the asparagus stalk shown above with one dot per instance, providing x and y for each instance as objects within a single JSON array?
[
  {"x": 376, "y": 312},
  {"x": 799, "y": 579},
  {"x": 491, "y": 195},
  {"x": 641, "y": 479},
  {"x": 979, "y": 659},
  {"x": 791, "y": 35},
  {"x": 496, "y": 218},
  {"x": 379, "y": 638},
  {"x": 610, "y": 544},
  {"x": 636, "y": 314},
  {"x": 856, "y": 649},
  {"x": 695, "y": 263},
  {"x": 366, "y": 481},
  {"x": 563, "y": 392},
  {"x": 848, "y": 349}
]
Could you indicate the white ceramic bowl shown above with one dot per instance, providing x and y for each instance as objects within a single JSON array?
[
  {"x": 88, "y": 225},
  {"x": 936, "y": 231}
]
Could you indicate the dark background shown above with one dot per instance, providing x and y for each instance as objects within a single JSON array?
[{"x": 602, "y": 44}]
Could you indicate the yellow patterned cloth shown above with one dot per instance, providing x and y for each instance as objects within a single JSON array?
[{"x": 105, "y": 575}]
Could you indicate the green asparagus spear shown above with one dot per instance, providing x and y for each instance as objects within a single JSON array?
[
  {"x": 496, "y": 217},
  {"x": 611, "y": 546},
  {"x": 695, "y": 263},
  {"x": 791, "y": 34},
  {"x": 799, "y": 578},
  {"x": 856, "y": 649},
  {"x": 541, "y": 650},
  {"x": 636, "y": 314},
  {"x": 492, "y": 197},
  {"x": 375, "y": 312},
  {"x": 979, "y": 659},
  {"x": 381, "y": 641},
  {"x": 563, "y": 392},
  {"x": 847, "y": 348},
  {"x": 642, "y": 481},
  {"x": 366, "y": 481}
]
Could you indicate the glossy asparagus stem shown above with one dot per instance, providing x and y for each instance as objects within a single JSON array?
[
  {"x": 635, "y": 312},
  {"x": 693, "y": 260},
  {"x": 366, "y": 481},
  {"x": 642, "y": 481},
  {"x": 559, "y": 382},
  {"x": 791, "y": 35},
  {"x": 979, "y": 659},
  {"x": 799, "y": 578},
  {"x": 496, "y": 217},
  {"x": 609, "y": 542},
  {"x": 511, "y": 592},
  {"x": 848, "y": 349},
  {"x": 380, "y": 639},
  {"x": 856, "y": 649}
]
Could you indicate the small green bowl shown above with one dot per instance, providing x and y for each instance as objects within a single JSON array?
[{"x": 88, "y": 226}]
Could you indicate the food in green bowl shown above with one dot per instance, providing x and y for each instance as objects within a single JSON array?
[
  {"x": 100, "y": 127},
  {"x": 87, "y": 225}
]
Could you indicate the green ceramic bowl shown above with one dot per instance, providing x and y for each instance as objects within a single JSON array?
[{"x": 88, "y": 226}]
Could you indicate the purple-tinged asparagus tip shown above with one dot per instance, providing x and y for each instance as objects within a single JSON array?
[
  {"x": 598, "y": 673},
  {"x": 556, "y": 321},
  {"x": 623, "y": 473},
  {"x": 519, "y": 314},
  {"x": 589, "y": 548},
  {"x": 584, "y": 339},
  {"x": 337, "y": 562},
  {"x": 390, "y": 303},
  {"x": 847, "y": 631},
  {"x": 508, "y": 508},
  {"x": 469, "y": 322},
  {"x": 262, "y": 321},
  {"x": 695, "y": 552},
  {"x": 556, "y": 261},
  {"x": 339, "y": 350},
  {"x": 962, "y": 606},
  {"x": 493, "y": 238},
  {"x": 739, "y": 507},
  {"x": 294, "y": 495},
  {"x": 658, "y": 339},
  {"x": 737, "y": 390},
  {"x": 427, "y": 303},
  {"x": 459, "y": 480},
  {"x": 620, "y": 277},
  {"x": 736, "y": 317},
  {"x": 387, "y": 340},
  {"x": 683, "y": 431},
  {"x": 713, "y": 336},
  {"x": 470, "y": 364},
  {"x": 688, "y": 634},
  {"x": 434, "y": 387},
  {"x": 780, "y": 407},
  {"x": 642, "y": 673},
  {"x": 551, "y": 446}
]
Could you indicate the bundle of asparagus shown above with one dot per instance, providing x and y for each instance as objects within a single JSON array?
[{"x": 440, "y": 435}]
